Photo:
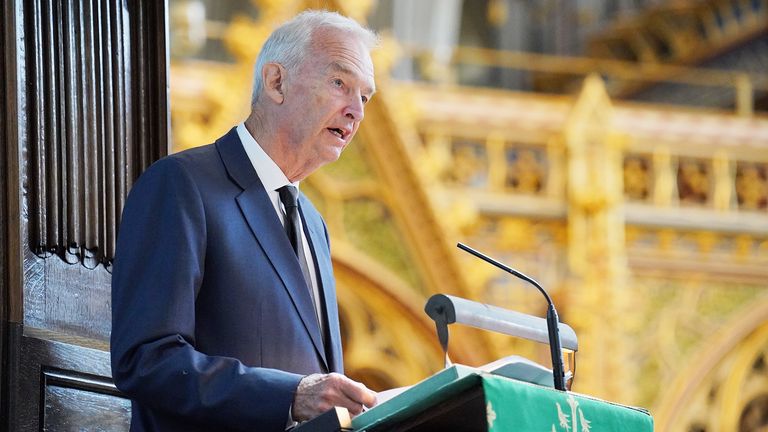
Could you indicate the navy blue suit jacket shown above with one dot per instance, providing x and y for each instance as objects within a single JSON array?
[{"x": 213, "y": 325}]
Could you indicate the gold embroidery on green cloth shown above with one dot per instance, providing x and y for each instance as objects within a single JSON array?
[
  {"x": 490, "y": 414},
  {"x": 576, "y": 415}
]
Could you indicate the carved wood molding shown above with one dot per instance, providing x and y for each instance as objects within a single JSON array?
[{"x": 96, "y": 119}]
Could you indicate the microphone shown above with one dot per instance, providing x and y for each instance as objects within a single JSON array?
[{"x": 558, "y": 370}]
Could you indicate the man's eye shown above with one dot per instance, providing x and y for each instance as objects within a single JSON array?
[
  {"x": 338, "y": 83},
  {"x": 365, "y": 99}
]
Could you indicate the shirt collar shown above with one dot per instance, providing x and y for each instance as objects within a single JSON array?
[{"x": 271, "y": 176}]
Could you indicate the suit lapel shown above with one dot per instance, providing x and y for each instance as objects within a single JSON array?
[
  {"x": 315, "y": 233},
  {"x": 265, "y": 225}
]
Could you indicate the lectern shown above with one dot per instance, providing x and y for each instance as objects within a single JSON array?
[{"x": 463, "y": 399}]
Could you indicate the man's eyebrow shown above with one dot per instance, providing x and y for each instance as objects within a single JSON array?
[{"x": 338, "y": 67}]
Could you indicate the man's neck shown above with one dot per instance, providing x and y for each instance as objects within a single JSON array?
[{"x": 270, "y": 142}]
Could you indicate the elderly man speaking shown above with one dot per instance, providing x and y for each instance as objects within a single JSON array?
[{"x": 224, "y": 313}]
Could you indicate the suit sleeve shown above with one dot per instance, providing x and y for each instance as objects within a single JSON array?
[{"x": 158, "y": 270}]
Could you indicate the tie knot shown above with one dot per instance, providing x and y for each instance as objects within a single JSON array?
[{"x": 289, "y": 196}]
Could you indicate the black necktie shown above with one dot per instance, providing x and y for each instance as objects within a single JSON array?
[{"x": 289, "y": 196}]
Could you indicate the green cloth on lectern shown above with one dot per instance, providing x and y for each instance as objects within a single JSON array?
[
  {"x": 518, "y": 406},
  {"x": 510, "y": 405}
]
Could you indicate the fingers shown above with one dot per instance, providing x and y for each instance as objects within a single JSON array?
[
  {"x": 358, "y": 393},
  {"x": 318, "y": 393}
]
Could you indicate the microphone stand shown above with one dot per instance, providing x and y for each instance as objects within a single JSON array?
[{"x": 555, "y": 348}]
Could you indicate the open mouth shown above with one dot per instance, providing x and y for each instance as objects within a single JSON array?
[{"x": 338, "y": 132}]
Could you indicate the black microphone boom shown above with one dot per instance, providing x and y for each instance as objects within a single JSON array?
[{"x": 558, "y": 370}]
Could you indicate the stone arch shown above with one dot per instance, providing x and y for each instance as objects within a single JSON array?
[
  {"x": 388, "y": 340},
  {"x": 731, "y": 351}
]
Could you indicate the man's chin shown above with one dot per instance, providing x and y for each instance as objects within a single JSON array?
[{"x": 332, "y": 154}]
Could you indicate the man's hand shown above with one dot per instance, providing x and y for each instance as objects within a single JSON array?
[{"x": 318, "y": 393}]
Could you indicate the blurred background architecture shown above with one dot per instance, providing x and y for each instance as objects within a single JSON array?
[{"x": 615, "y": 150}]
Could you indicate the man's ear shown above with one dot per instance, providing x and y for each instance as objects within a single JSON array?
[{"x": 273, "y": 76}]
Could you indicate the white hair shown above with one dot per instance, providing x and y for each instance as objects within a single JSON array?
[{"x": 290, "y": 43}]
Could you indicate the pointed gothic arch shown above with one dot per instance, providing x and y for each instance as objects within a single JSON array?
[{"x": 723, "y": 368}]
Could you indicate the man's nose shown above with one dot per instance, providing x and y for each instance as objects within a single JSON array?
[{"x": 355, "y": 109}]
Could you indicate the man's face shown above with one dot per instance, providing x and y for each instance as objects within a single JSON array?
[{"x": 327, "y": 97}]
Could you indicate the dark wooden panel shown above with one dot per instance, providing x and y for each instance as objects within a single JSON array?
[
  {"x": 65, "y": 298},
  {"x": 13, "y": 125},
  {"x": 51, "y": 359},
  {"x": 76, "y": 402},
  {"x": 3, "y": 222},
  {"x": 83, "y": 112},
  {"x": 75, "y": 410},
  {"x": 10, "y": 193},
  {"x": 97, "y": 118},
  {"x": 11, "y": 361}
]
